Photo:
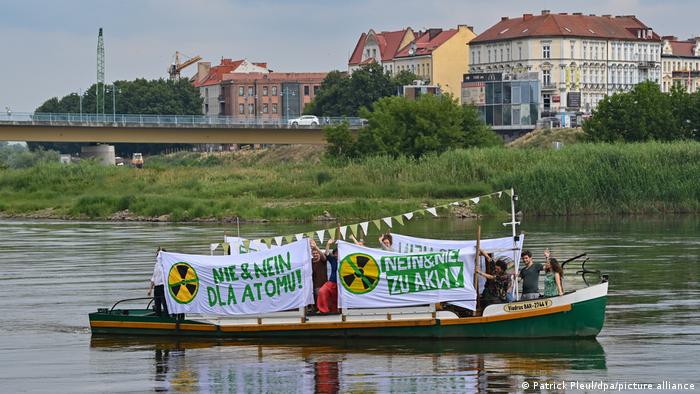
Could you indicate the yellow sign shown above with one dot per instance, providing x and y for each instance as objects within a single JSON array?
[
  {"x": 527, "y": 305},
  {"x": 359, "y": 273},
  {"x": 183, "y": 282}
]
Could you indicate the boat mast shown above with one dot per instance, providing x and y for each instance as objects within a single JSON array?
[{"x": 513, "y": 223}]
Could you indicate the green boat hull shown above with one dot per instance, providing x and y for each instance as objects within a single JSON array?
[{"x": 578, "y": 320}]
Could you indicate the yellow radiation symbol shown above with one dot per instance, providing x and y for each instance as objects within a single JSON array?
[
  {"x": 183, "y": 282},
  {"x": 359, "y": 273}
]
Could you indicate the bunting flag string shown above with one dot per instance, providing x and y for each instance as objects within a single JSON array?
[{"x": 362, "y": 229}]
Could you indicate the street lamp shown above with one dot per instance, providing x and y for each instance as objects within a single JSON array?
[{"x": 114, "y": 102}]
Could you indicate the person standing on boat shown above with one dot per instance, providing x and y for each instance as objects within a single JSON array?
[
  {"x": 530, "y": 276},
  {"x": 385, "y": 241},
  {"x": 157, "y": 288},
  {"x": 553, "y": 278},
  {"x": 497, "y": 285},
  {"x": 327, "y": 301},
  {"x": 319, "y": 272}
]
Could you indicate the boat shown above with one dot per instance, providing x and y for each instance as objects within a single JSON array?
[
  {"x": 368, "y": 310},
  {"x": 578, "y": 314}
]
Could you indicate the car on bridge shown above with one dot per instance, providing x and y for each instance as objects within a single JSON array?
[{"x": 305, "y": 120}]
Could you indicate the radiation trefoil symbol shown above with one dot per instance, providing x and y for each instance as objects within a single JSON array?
[
  {"x": 183, "y": 283},
  {"x": 359, "y": 273}
]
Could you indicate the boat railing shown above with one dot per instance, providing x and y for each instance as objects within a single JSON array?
[{"x": 131, "y": 299}]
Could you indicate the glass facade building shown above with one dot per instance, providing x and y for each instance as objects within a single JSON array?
[{"x": 504, "y": 101}]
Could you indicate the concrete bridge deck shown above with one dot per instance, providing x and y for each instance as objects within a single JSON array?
[{"x": 161, "y": 129}]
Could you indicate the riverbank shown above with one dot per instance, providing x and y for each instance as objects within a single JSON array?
[{"x": 299, "y": 184}]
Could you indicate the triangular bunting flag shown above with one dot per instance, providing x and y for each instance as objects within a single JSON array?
[
  {"x": 310, "y": 234},
  {"x": 353, "y": 229},
  {"x": 267, "y": 242},
  {"x": 289, "y": 238},
  {"x": 475, "y": 200},
  {"x": 213, "y": 247},
  {"x": 246, "y": 243},
  {"x": 226, "y": 247},
  {"x": 399, "y": 218},
  {"x": 365, "y": 227},
  {"x": 420, "y": 212},
  {"x": 408, "y": 215},
  {"x": 278, "y": 240},
  {"x": 509, "y": 192},
  {"x": 321, "y": 235},
  {"x": 343, "y": 231},
  {"x": 454, "y": 204},
  {"x": 387, "y": 220},
  {"x": 500, "y": 194},
  {"x": 299, "y": 236},
  {"x": 377, "y": 223},
  {"x": 433, "y": 211}
]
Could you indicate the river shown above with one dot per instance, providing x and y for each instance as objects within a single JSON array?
[{"x": 55, "y": 273}]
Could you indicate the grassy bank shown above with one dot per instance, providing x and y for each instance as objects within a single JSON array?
[{"x": 298, "y": 184}]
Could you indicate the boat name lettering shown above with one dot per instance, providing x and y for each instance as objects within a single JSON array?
[
  {"x": 527, "y": 305},
  {"x": 423, "y": 272}
]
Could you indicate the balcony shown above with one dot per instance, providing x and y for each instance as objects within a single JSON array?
[
  {"x": 549, "y": 86},
  {"x": 645, "y": 65}
]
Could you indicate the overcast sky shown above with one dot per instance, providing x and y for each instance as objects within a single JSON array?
[{"x": 49, "y": 47}]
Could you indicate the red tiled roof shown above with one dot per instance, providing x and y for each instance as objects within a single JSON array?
[
  {"x": 551, "y": 25},
  {"x": 683, "y": 48},
  {"x": 388, "y": 42},
  {"x": 424, "y": 45},
  {"x": 275, "y": 77},
  {"x": 216, "y": 73},
  {"x": 369, "y": 60}
]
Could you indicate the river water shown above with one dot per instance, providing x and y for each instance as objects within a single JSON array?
[{"x": 55, "y": 273}]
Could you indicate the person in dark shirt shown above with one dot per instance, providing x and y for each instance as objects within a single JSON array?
[
  {"x": 318, "y": 268},
  {"x": 327, "y": 301},
  {"x": 530, "y": 276},
  {"x": 497, "y": 285}
]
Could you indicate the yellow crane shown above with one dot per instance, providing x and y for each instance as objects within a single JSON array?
[{"x": 176, "y": 67}]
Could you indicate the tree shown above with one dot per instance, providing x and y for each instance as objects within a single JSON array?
[
  {"x": 399, "y": 126},
  {"x": 643, "y": 114},
  {"x": 139, "y": 96},
  {"x": 343, "y": 95}
]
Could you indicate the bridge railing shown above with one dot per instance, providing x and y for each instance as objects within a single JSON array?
[{"x": 168, "y": 120}]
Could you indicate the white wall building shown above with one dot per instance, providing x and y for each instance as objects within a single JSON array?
[
  {"x": 579, "y": 58},
  {"x": 680, "y": 64}
]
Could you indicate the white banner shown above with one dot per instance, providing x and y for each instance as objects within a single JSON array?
[
  {"x": 500, "y": 247},
  {"x": 262, "y": 282},
  {"x": 238, "y": 245},
  {"x": 372, "y": 278}
]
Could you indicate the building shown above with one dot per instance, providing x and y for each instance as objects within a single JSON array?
[
  {"x": 380, "y": 48},
  {"x": 208, "y": 80},
  {"x": 438, "y": 56},
  {"x": 680, "y": 64},
  {"x": 418, "y": 89},
  {"x": 271, "y": 96},
  {"x": 509, "y": 103},
  {"x": 579, "y": 58}
]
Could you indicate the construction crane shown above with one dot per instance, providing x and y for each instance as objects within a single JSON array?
[{"x": 176, "y": 67}]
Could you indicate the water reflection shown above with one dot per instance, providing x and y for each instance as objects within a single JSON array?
[{"x": 354, "y": 365}]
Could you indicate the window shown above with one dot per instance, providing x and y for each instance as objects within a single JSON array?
[
  {"x": 240, "y": 90},
  {"x": 316, "y": 88},
  {"x": 547, "y": 101},
  {"x": 546, "y": 78},
  {"x": 508, "y": 54},
  {"x": 489, "y": 56},
  {"x": 502, "y": 59},
  {"x": 264, "y": 90},
  {"x": 306, "y": 90},
  {"x": 520, "y": 53},
  {"x": 274, "y": 90},
  {"x": 473, "y": 56},
  {"x": 241, "y": 109},
  {"x": 250, "y": 90},
  {"x": 265, "y": 108},
  {"x": 573, "y": 49},
  {"x": 546, "y": 51},
  {"x": 206, "y": 92},
  {"x": 274, "y": 108},
  {"x": 251, "y": 109}
]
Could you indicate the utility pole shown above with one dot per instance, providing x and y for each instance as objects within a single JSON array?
[{"x": 100, "y": 86}]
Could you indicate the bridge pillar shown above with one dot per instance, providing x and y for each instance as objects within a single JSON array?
[{"x": 103, "y": 153}]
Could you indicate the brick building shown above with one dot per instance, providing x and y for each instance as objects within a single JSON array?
[
  {"x": 272, "y": 96},
  {"x": 208, "y": 81}
]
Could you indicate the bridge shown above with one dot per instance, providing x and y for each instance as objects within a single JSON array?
[{"x": 183, "y": 129}]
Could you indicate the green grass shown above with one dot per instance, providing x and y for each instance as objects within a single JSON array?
[{"x": 578, "y": 179}]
